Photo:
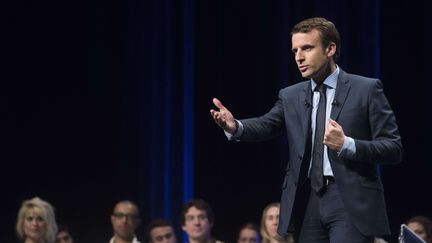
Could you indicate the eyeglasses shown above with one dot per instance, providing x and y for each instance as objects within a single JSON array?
[{"x": 124, "y": 215}]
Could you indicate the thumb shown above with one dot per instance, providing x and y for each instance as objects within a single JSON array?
[{"x": 218, "y": 104}]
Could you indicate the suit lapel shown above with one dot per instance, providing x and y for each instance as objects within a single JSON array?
[
  {"x": 342, "y": 91},
  {"x": 304, "y": 109}
]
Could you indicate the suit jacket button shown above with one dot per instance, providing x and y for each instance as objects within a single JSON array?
[{"x": 300, "y": 157}]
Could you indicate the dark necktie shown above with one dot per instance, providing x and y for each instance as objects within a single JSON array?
[{"x": 318, "y": 149}]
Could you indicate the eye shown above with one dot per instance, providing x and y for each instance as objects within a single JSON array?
[{"x": 307, "y": 48}]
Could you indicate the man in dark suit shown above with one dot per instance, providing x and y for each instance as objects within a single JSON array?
[{"x": 340, "y": 127}]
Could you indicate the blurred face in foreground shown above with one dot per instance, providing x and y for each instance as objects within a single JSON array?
[
  {"x": 272, "y": 221},
  {"x": 418, "y": 229},
  {"x": 197, "y": 224},
  {"x": 248, "y": 236},
  {"x": 125, "y": 219},
  {"x": 64, "y": 237},
  {"x": 163, "y": 234},
  {"x": 34, "y": 226}
]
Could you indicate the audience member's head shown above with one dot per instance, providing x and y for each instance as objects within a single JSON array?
[
  {"x": 64, "y": 235},
  {"x": 197, "y": 220},
  {"x": 36, "y": 221},
  {"x": 249, "y": 233},
  {"x": 422, "y": 226},
  {"x": 161, "y": 231},
  {"x": 125, "y": 219},
  {"x": 269, "y": 225}
]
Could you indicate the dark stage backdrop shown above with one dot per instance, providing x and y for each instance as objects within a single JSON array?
[{"x": 109, "y": 100}]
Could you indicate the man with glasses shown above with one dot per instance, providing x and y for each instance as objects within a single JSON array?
[{"x": 125, "y": 219}]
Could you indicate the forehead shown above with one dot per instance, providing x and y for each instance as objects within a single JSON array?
[
  {"x": 312, "y": 37},
  {"x": 415, "y": 225},
  {"x": 195, "y": 211},
  {"x": 272, "y": 211},
  {"x": 248, "y": 232},
  {"x": 62, "y": 234},
  {"x": 34, "y": 211},
  {"x": 161, "y": 230},
  {"x": 126, "y": 208}
]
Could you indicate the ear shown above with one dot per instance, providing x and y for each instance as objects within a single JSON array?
[{"x": 331, "y": 49}]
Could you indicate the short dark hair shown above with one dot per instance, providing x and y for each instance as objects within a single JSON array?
[
  {"x": 63, "y": 227},
  {"x": 199, "y": 204},
  {"x": 327, "y": 29},
  {"x": 250, "y": 226},
  {"x": 157, "y": 223}
]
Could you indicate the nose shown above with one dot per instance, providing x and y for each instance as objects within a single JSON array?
[
  {"x": 34, "y": 222},
  {"x": 299, "y": 57}
]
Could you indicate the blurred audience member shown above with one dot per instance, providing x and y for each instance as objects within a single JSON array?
[
  {"x": 197, "y": 221},
  {"x": 125, "y": 219},
  {"x": 269, "y": 225},
  {"x": 422, "y": 226},
  {"x": 64, "y": 235},
  {"x": 249, "y": 233},
  {"x": 36, "y": 222},
  {"x": 161, "y": 231}
]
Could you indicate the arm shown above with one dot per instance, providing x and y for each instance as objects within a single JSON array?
[
  {"x": 253, "y": 129},
  {"x": 385, "y": 146}
]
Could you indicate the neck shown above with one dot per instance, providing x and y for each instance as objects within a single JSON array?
[
  {"x": 206, "y": 240},
  {"x": 122, "y": 240},
  {"x": 30, "y": 240},
  {"x": 325, "y": 72}
]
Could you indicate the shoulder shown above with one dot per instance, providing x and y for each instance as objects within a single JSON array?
[
  {"x": 296, "y": 87},
  {"x": 357, "y": 79}
]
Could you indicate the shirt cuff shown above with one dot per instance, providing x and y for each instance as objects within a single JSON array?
[
  {"x": 238, "y": 132},
  {"x": 348, "y": 148}
]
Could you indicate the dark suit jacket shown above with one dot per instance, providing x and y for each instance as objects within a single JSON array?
[{"x": 364, "y": 113}]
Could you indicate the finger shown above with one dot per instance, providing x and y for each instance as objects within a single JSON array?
[
  {"x": 334, "y": 123},
  {"x": 218, "y": 104}
]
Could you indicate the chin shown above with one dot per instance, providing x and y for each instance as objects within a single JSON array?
[{"x": 304, "y": 75}]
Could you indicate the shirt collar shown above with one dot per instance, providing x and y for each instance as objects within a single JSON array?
[
  {"x": 135, "y": 240},
  {"x": 330, "y": 81}
]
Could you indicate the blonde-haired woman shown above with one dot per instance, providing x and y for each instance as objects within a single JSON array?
[
  {"x": 36, "y": 222},
  {"x": 269, "y": 224}
]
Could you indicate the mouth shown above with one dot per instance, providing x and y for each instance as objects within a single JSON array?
[{"x": 303, "y": 68}]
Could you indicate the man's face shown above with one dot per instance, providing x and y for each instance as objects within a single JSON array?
[
  {"x": 125, "y": 220},
  {"x": 163, "y": 234},
  {"x": 248, "y": 236},
  {"x": 313, "y": 60},
  {"x": 63, "y": 237},
  {"x": 196, "y": 224}
]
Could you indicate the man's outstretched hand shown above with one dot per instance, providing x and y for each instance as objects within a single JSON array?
[{"x": 223, "y": 117}]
